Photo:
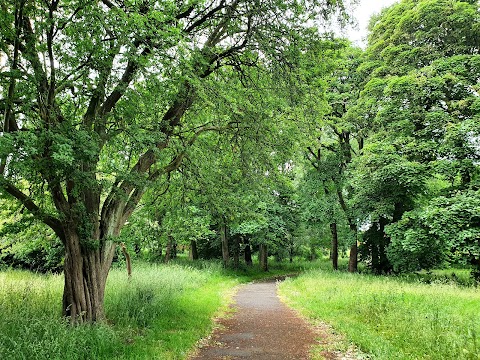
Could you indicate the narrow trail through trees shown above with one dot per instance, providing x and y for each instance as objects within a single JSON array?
[{"x": 261, "y": 328}]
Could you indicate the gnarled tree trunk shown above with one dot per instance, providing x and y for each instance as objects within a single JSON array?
[{"x": 86, "y": 269}]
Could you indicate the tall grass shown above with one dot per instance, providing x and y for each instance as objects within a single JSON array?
[
  {"x": 165, "y": 309},
  {"x": 159, "y": 314},
  {"x": 390, "y": 318}
]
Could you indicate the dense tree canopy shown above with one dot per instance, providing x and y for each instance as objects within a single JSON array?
[
  {"x": 223, "y": 125},
  {"x": 420, "y": 100},
  {"x": 99, "y": 102}
]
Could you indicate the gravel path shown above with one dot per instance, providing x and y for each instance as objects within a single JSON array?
[{"x": 262, "y": 328}]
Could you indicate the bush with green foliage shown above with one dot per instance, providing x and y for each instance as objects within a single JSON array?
[
  {"x": 28, "y": 244},
  {"x": 445, "y": 229}
]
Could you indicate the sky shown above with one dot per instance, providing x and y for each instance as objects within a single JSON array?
[{"x": 364, "y": 10}]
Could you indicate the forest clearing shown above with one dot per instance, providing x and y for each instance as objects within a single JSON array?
[{"x": 156, "y": 157}]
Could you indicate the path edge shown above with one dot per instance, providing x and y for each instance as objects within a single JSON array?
[
  {"x": 227, "y": 310},
  {"x": 329, "y": 344}
]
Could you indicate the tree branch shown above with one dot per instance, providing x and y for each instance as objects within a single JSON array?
[
  {"x": 69, "y": 20},
  {"x": 127, "y": 77},
  {"x": 26, "y": 201},
  {"x": 344, "y": 207},
  {"x": 30, "y": 51},
  {"x": 62, "y": 84},
  {"x": 185, "y": 13},
  {"x": 109, "y": 4},
  {"x": 177, "y": 160},
  {"x": 172, "y": 166},
  {"x": 50, "y": 36},
  {"x": 313, "y": 153},
  {"x": 48, "y": 108},
  {"x": 205, "y": 17},
  {"x": 9, "y": 123}
]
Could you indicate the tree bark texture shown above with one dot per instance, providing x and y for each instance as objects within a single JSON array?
[
  {"x": 86, "y": 270},
  {"x": 248, "y": 254},
  {"x": 353, "y": 259},
  {"x": 174, "y": 249},
  {"x": 263, "y": 257},
  {"x": 224, "y": 241},
  {"x": 193, "y": 250},
  {"x": 334, "y": 253},
  {"x": 313, "y": 253},
  {"x": 236, "y": 251},
  {"x": 169, "y": 249},
  {"x": 127, "y": 259}
]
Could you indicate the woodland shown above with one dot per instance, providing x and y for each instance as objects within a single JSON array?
[{"x": 236, "y": 131}]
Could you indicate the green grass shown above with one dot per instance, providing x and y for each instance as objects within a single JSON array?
[
  {"x": 442, "y": 276},
  {"x": 165, "y": 309},
  {"x": 159, "y": 314},
  {"x": 391, "y": 318}
]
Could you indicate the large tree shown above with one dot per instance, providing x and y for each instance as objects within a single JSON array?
[
  {"x": 95, "y": 97},
  {"x": 340, "y": 139},
  {"x": 421, "y": 102}
]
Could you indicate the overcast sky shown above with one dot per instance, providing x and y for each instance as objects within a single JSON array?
[{"x": 364, "y": 10}]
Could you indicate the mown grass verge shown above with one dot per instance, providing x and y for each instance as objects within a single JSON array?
[
  {"x": 159, "y": 314},
  {"x": 390, "y": 318}
]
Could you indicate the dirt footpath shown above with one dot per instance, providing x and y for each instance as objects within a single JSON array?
[{"x": 262, "y": 328}]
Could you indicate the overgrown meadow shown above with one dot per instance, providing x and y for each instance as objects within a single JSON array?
[
  {"x": 164, "y": 310},
  {"x": 158, "y": 314},
  {"x": 392, "y": 318}
]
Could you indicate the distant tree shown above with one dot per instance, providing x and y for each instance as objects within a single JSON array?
[
  {"x": 412, "y": 34},
  {"x": 338, "y": 138},
  {"x": 385, "y": 187},
  {"x": 446, "y": 229}
]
